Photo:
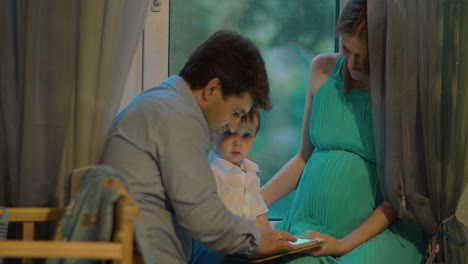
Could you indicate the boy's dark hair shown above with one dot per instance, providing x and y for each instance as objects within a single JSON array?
[
  {"x": 233, "y": 59},
  {"x": 250, "y": 117}
]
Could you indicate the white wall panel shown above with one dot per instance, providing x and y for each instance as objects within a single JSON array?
[{"x": 151, "y": 60}]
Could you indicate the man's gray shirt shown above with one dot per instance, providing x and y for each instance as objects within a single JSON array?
[{"x": 159, "y": 143}]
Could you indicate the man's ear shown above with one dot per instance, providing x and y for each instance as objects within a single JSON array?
[{"x": 212, "y": 89}]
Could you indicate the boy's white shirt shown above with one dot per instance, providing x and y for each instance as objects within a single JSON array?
[{"x": 238, "y": 187}]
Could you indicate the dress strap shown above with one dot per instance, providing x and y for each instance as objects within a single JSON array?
[{"x": 338, "y": 65}]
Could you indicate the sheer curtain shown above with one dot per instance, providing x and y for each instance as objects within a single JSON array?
[
  {"x": 418, "y": 67},
  {"x": 63, "y": 68}
]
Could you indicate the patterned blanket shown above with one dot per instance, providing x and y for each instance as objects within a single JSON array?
[{"x": 89, "y": 215}]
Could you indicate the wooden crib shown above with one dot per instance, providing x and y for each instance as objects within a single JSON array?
[{"x": 119, "y": 250}]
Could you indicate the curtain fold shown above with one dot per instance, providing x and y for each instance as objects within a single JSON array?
[
  {"x": 455, "y": 120},
  {"x": 417, "y": 53},
  {"x": 8, "y": 148},
  {"x": 35, "y": 97},
  {"x": 62, "y": 72},
  {"x": 106, "y": 49}
]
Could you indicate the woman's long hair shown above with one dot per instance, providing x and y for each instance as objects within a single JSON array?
[{"x": 353, "y": 22}]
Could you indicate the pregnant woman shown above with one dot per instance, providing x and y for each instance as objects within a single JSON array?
[{"x": 337, "y": 194}]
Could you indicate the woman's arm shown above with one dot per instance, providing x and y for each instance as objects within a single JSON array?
[
  {"x": 285, "y": 181},
  {"x": 377, "y": 221}
]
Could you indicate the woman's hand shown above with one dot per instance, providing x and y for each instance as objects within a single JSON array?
[
  {"x": 377, "y": 221},
  {"x": 331, "y": 246}
]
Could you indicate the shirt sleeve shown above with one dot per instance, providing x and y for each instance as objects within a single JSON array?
[
  {"x": 191, "y": 188},
  {"x": 262, "y": 208},
  {"x": 258, "y": 206}
]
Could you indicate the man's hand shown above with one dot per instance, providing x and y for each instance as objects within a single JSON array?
[{"x": 274, "y": 240}]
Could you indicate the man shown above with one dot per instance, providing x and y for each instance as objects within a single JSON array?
[{"x": 160, "y": 142}]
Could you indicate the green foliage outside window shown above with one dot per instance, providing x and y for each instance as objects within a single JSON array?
[{"x": 289, "y": 34}]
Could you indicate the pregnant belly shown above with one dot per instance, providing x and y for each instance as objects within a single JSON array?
[{"x": 338, "y": 189}]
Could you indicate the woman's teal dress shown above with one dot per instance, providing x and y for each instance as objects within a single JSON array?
[{"x": 339, "y": 188}]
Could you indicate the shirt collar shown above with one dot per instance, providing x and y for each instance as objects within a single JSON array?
[
  {"x": 227, "y": 165},
  {"x": 247, "y": 165}
]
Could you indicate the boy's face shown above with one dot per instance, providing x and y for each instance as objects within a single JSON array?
[{"x": 235, "y": 146}]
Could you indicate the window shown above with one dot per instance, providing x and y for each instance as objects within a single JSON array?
[{"x": 289, "y": 34}]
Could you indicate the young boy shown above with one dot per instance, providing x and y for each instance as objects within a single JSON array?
[
  {"x": 236, "y": 178},
  {"x": 235, "y": 174}
]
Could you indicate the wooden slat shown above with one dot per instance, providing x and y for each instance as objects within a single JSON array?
[
  {"x": 27, "y": 261},
  {"x": 35, "y": 214},
  {"x": 28, "y": 235},
  {"x": 126, "y": 212},
  {"x": 60, "y": 249},
  {"x": 28, "y": 231}
]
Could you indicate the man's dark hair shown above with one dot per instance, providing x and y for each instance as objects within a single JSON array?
[{"x": 233, "y": 59}]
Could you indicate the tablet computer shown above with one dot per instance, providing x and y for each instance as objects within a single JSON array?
[{"x": 302, "y": 244}]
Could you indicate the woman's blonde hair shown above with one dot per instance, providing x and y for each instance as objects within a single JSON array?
[{"x": 353, "y": 22}]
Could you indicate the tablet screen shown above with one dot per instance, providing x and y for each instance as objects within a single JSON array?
[
  {"x": 303, "y": 243},
  {"x": 303, "y": 240},
  {"x": 306, "y": 242}
]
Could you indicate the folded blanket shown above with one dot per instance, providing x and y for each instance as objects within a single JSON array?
[
  {"x": 3, "y": 223},
  {"x": 89, "y": 215}
]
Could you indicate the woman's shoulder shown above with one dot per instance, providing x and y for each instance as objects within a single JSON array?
[
  {"x": 325, "y": 62},
  {"x": 321, "y": 69}
]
